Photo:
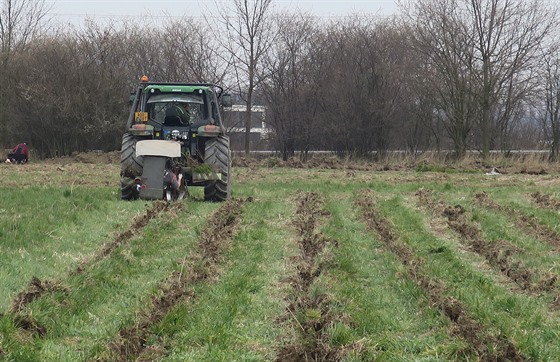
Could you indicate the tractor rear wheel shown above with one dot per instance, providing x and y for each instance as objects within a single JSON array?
[
  {"x": 131, "y": 165},
  {"x": 217, "y": 155}
]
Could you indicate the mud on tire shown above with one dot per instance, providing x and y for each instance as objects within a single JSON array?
[
  {"x": 217, "y": 155},
  {"x": 128, "y": 189}
]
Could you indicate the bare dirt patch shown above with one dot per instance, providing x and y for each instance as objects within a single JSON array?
[
  {"x": 546, "y": 281},
  {"x": 545, "y": 201},
  {"x": 131, "y": 342},
  {"x": 329, "y": 162},
  {"x": 464, "y": 325},
  {"x": 29, "y": 324},
  {"x": 538, "y": 171},
  {"x": 113, "y": 157},
  {"x": 34, "y": 290},
  {"x": 309, "y": 313}
]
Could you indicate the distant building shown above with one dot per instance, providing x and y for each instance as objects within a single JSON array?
[{"x": 234, "y": 121}]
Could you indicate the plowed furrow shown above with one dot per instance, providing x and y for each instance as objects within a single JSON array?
[
  {"x": 464, "y": 325},
  {"x": 308, "y": 313},
  {"x": 526, "y": 222},
  {"x": 139, "y": 222},
  {"x": 201, "y": 265},
  {"x": 37, "y": 287},
  {"x": 499, "y": 254}
]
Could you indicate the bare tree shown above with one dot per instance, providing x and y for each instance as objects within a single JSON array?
[
  {"x": 289, "y": 90},
  {"x": 508, "y": 35},
  {"x": 483, "y": 54},
  {"x": 445, "y": 52},
  {"x": 20, "y": 22},
  {"x": 191, "y": 52},
  {"x": 550, "y": 107},
  {"x": 342, "y": 87},
  {"x": 250, "y": 34},
  {"x": 72, "y": 90},
  {"x": 71, "y": 87},
  {"x": 361, "y": 92}
]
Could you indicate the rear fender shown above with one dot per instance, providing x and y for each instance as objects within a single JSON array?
[
  {"x": 141, "y": 130},
  {"x": 210, "y": 130}
]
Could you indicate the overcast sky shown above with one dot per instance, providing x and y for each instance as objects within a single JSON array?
[{"x": 76, "y": 10}]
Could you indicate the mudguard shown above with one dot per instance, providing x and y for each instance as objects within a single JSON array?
[{"x": 159, "y": 148}]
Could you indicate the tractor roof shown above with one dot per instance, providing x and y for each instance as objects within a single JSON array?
[
  {"x": 181, "y": 87},
  {"x": 164, "y": 97}
]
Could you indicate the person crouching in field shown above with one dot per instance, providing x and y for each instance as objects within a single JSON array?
[{"x": 19, "y": 154}]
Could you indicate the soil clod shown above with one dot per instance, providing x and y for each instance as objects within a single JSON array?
[
  {"x": 34, "y": 290},
  {"x": 29, "y": 324}
]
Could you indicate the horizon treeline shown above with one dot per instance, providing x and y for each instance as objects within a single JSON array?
[{"x": 454, "y": 75}]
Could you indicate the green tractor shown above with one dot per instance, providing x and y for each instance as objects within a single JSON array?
[{"x": 175, "y": 138}]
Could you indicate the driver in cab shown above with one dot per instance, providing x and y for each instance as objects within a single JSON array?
[
  {"x": 178, "y": 114},
  {"x": 183, "y": 111}
]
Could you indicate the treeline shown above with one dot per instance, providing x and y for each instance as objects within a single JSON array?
[
  {"x": 68, "y": 90},
  {"x": 442, "y": 75}
]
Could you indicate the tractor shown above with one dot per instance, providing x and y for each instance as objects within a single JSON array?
[{"x": 175, "y": 138}]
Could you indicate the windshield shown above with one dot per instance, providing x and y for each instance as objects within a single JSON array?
[{"x": 175, "y": 109}]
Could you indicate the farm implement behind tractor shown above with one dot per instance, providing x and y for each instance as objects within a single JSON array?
[{"x": 175, "y": 138}]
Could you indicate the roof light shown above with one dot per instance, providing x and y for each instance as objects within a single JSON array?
[{"x": 144, "y": 79}]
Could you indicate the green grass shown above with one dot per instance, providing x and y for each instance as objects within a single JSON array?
[
  {"x": 107, "y": 295},
  {"x": 388, "y": 312},
  {"x": 52, "y": 217},
  {"x": 526, "y": 320},
  {"x": 233, "y": 318},
  {"x": 43, "y": 233}
]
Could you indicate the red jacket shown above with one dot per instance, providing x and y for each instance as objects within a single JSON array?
[{"x": 21, "y": 149}]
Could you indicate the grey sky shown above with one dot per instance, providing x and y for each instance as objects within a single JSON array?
[{"x": 75, "y": 10}]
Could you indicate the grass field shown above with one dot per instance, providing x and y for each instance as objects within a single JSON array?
[{"x": 302, "y": 264}]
